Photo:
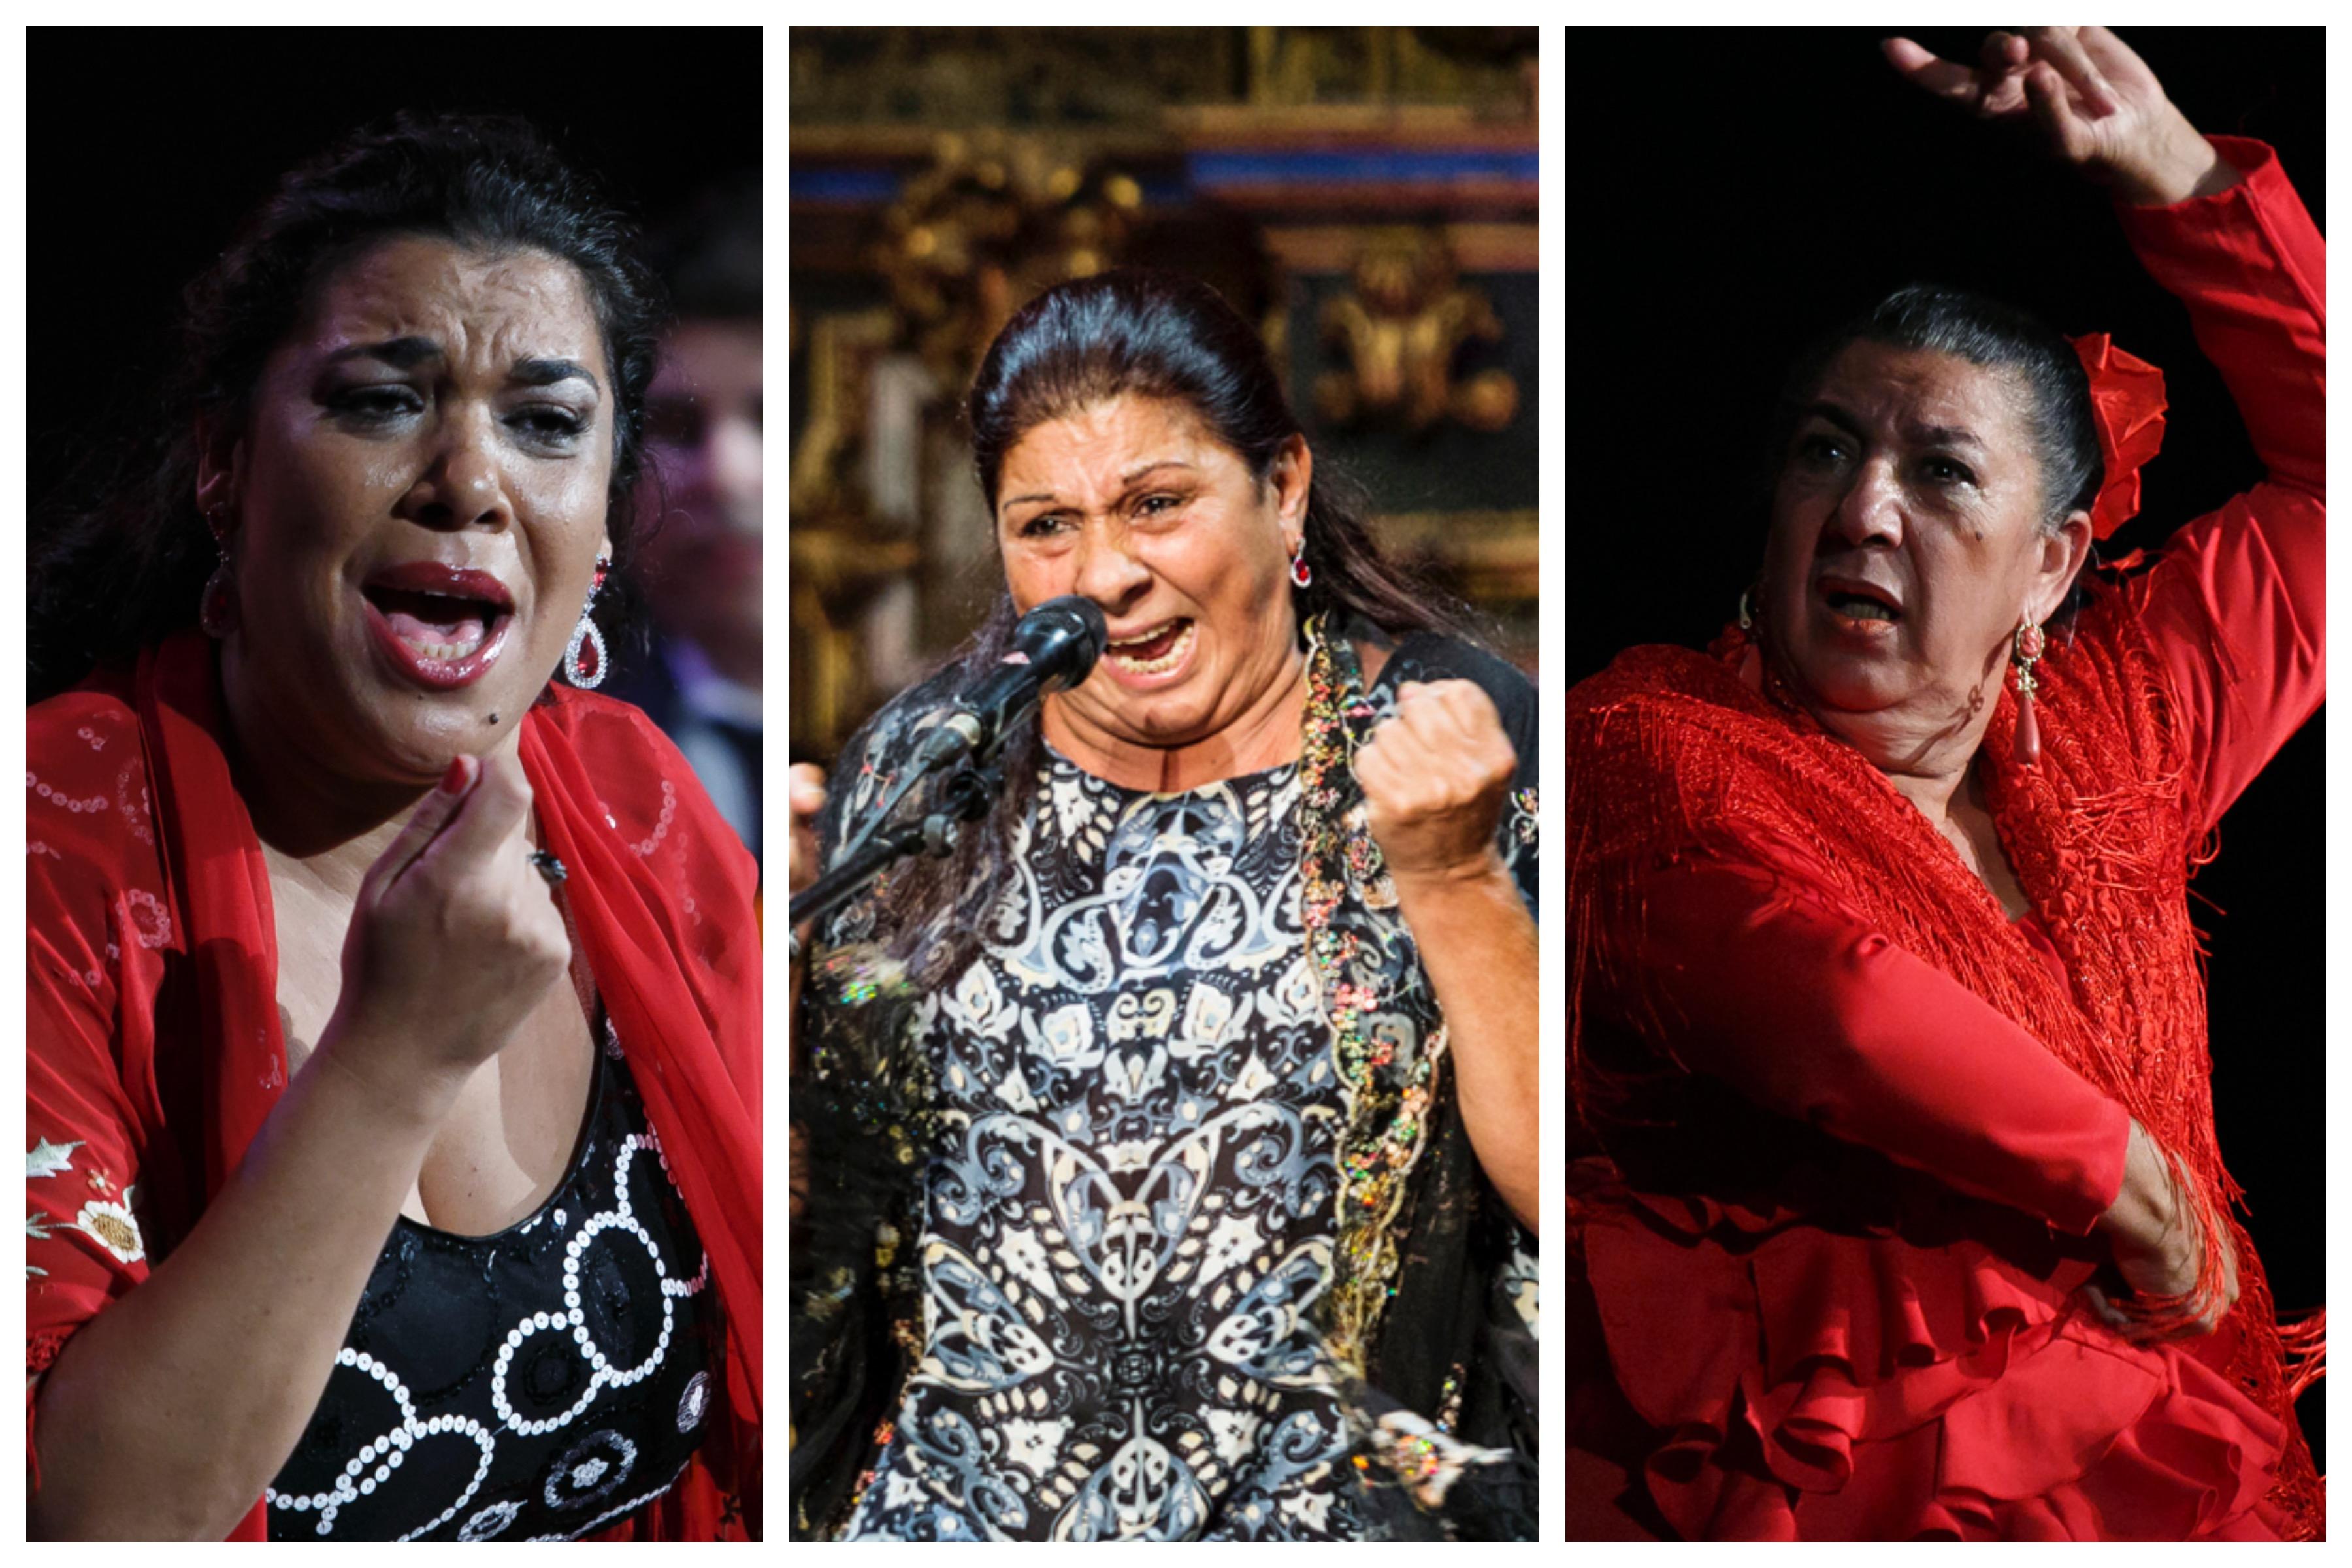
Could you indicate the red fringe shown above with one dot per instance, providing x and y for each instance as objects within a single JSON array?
[{"x": 2307, "y": 1342}]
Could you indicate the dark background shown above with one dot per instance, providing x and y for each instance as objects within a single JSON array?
[
  {"x": 1735, "y": 193},
  {"x": 147, "y": 146}
]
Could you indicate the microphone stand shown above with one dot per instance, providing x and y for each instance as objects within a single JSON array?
[{"x": 965, "y": 797}]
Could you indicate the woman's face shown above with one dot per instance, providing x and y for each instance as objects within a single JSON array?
[
  {"x": 1134, "y": 504},
  {"x": 1906, "y": 539},
  {"x": 418, "y": 501}
]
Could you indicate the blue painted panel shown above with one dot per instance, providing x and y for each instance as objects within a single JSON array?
[{"x": 1209, "y": 170}]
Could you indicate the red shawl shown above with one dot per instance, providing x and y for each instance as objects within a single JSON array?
[
  {"x": 1672, "y": 755},
  {"x": 152, "y": 941}
]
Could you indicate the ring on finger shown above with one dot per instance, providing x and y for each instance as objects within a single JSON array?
[{"x": 550, "y": 868}]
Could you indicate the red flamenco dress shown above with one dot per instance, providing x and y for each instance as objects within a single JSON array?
[
  {"x": 154, "y": 1051},
  {"x": 1855, "y": 1124}
]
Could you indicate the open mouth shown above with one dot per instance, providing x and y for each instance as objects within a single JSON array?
[
  {"x": 438, "y": 627},
  {"x": 442, "y": 627},
  {"x": 1861, "y": 602},
  {"x": 1154, "y": 650}
]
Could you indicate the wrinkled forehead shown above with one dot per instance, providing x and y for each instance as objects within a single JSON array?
[
  {"x": 1094, "y": 448},
  {"x": 485, "y": 308},
  {"x": 1893, "y": 388}
]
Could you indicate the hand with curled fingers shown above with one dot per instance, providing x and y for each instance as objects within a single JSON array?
[
  {"x": 2156, "y": 1234},
  {"x": 454, "y": 938},
  {"x": 2096, "y": 104},
  {"x": 1434, "y": 776}
]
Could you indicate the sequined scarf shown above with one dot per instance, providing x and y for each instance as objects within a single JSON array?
[{"x": 1670, "y": 753}]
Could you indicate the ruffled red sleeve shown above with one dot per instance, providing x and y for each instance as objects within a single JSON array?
[
  {"x": 2237, "y": 603},
  {"x": 1800, "y": 1006}
]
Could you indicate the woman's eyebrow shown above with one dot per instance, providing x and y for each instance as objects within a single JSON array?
[
  {"x": 1129, "y": 478},
  {"x": 1917, "y": 435},
  {"x": 548, "y": 372},
  {"x": 1141, "y": 470},
  {"x": 1836, "y": 415},
  {"x": 1943, "y": 436},
  {"x": 401, "y": 353},
  {"x": 408, "y": 352}
]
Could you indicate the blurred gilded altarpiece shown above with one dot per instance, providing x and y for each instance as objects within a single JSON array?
[{"x": 1368, "y": 194}]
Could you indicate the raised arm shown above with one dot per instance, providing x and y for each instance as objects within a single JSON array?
[
  {"x": 1437, "y": 778},
  {"x": 2237, "y": 605}
]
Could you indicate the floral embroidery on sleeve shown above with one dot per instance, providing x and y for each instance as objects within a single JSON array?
[
  {"x": 112, "y": 1226},
  {"x": 104, "y": 1219}
]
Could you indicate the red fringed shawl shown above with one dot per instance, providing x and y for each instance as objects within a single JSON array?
[{"x": 1670, "y": 754}]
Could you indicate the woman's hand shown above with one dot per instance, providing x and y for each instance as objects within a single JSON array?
[
  {"x": 803, "y": 798},
  {"x": 2158, "y": 1238},
  {"x": 2098, "y": 106},
  {"x": 1434, "y": 776},
  {"x": 200, "y": 1382},
  {"x": 454, "y": 939}
]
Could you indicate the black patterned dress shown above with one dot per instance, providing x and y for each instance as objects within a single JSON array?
[{"x": 1129, "y": 1202}]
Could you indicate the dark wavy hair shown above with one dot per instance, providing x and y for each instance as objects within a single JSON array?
[
  {"x": 120, "y": 555},
  {"x": 1159, "y": 334},
  {"x": 1984, "y": 332}
]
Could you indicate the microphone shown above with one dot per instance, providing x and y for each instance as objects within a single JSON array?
[{"x": 1053, "y": 646}]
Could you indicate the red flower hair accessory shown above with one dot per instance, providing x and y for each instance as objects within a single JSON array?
[{"x": 2127, "y": 407}]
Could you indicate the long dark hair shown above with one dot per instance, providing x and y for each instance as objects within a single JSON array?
[
  {"x": 1985, "y": 332},
  {"x": 1150, "y": 335},
  {"x": 120, "y": 555}
]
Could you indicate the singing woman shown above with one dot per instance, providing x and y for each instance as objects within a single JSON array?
[{"x": 1173, "y": 1146}]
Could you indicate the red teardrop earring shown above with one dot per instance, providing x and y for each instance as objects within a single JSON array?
[
  {"x": 1302, "y": 576},
  {"x": 585, "y": 660},
  {"x": 2025, "y": 652}
]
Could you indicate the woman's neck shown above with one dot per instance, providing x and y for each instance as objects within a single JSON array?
[
  {"x": 1265, "y": 734},
  {"x": 1926, "y": 746},
  {"x": 306, "y": 815},
  {"x": 1935, "y": 768}
]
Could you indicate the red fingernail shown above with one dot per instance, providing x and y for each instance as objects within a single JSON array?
[{"x": 455, "y": 779}]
